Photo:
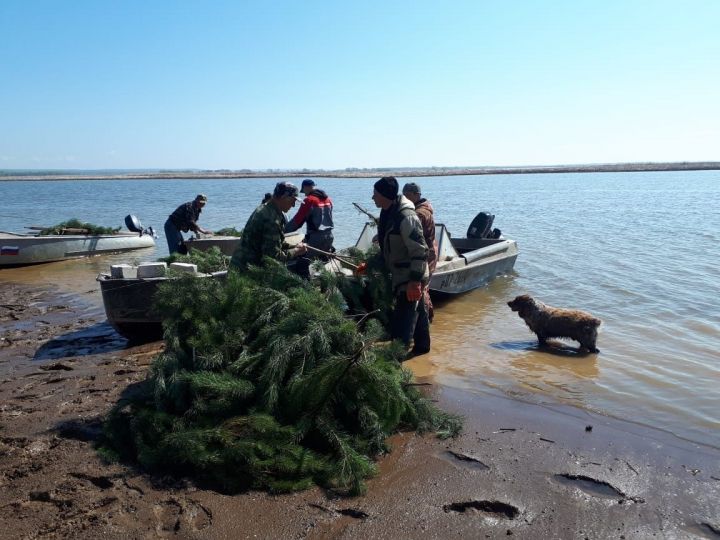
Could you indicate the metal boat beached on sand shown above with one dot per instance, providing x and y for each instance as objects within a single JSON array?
[
  {"x": 463, "y": 264},
  {"x": 25, "y": 249}
]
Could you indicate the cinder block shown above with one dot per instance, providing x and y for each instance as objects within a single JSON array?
[
  {"x": 124, "y": 271},
  {"x": 151, "y": 270},
  {"x": 184, "y": 267}
]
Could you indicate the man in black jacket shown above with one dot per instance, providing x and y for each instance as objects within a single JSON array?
[
  {"x": 184, "y": 219},
  {"x": 404, "y": 251}
]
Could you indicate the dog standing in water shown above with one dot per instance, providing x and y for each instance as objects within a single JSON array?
[{"x": 549, "y": 322}]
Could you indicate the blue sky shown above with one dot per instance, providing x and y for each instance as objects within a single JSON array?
[{"x": 292, "y": 84}]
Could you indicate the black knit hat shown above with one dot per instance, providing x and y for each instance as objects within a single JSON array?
[{"x": 387, "y": 186}]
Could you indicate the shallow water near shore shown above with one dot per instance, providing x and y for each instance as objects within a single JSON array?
[{"x": 639, "y": 250}]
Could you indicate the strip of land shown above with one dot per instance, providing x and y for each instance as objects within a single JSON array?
[{"x": 352, "y": 172}]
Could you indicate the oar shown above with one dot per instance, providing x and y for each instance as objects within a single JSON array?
[{"x": 328, "y": 254}]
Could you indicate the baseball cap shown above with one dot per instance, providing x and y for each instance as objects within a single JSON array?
[
  {"x": 285, "y": 188},
  {"x": 307, "y": 182}
]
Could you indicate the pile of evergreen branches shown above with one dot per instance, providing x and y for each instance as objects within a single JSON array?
[
  {"x": 229, "y": 231},
  {"x": 77, "y": 225},
  {"x": 212, "y": 260},
  {"x": 265, "y": 383},
  {"x": 369, "y": 294}
]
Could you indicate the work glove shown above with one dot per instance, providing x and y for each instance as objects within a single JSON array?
[
  {"x": 414, "y": 291},
  {"x": 361, "y": 269}
]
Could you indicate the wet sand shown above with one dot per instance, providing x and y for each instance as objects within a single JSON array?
[{"x": 518, "y": 469}]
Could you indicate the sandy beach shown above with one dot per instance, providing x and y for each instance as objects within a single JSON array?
[{"x": 518, "y": 469}]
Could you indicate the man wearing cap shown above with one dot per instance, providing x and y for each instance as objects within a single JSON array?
[
  {"x": 424, "y": 211},
  {"x": 315, "y": 211},
  {"x": 263, "y": 234},
  {"x": 403, "y": 248},
  {"x": 184, "y": 219}
]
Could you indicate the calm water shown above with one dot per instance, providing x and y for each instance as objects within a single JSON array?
[{"x": 639, "y": 250}]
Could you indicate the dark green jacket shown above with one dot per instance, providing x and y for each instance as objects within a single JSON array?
[
  {"x": 262, "y": 237},
  {"x": 402, "y": 244}
]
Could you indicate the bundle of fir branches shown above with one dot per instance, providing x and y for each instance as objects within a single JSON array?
[
  {"x": 212, "y": 260},
  {"x": 265, "y": 383},
  {"x": 229, "y": 231},
  {"x": 369, "y": 294},
  {"x": 75, "y": 225}
]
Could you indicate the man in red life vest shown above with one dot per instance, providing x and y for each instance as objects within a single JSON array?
[{"x": 316, "y": 212}]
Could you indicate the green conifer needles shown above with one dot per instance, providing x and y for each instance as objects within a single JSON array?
[{"x": 265, "y": 383}]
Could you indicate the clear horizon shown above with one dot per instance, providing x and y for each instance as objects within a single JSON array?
[{"x": 320, "y": 85}]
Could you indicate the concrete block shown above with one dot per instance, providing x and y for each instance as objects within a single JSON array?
[
  {"x": 151, "y": 270},
  {"x": 184, "y": 267},
  {"x": 124, "y": 271}
]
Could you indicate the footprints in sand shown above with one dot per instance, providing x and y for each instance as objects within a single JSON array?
[
  {"x": 178, "y": 516},
  {"x": 507, "y": 511},
  {"x": 595, "y": 487},
  {"x": 467, "y": 460},
  {"x": 495, "y": 508}
]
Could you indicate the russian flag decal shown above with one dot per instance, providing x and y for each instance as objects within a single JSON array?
[{"x": 9, "y": 250}]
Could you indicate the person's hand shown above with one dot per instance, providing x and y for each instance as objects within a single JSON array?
[
  {"x": 301, "y": 248},
  {"x": 375, "y": 239},
  {"x": 414, "y": 291},
  {"x": 361, "y": 269}
]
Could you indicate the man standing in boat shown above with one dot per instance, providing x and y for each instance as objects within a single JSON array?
[
  {"x": 315, "y": 211},
  {"x": 424, "y": 211},
  {"x": 184, "y": 219},
  {"x": 263, "y": 234},
  {"x": 404, "y": 251}
]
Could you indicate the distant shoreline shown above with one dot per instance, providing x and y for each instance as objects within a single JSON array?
[{"x": 403, "y": 172}]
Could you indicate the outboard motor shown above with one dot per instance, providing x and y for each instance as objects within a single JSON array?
[
  {"x": 133, "y": 224},
  {"x": 481, "y": 226}
]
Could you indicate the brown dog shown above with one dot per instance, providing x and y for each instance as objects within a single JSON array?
[{"x": 548, "y": 322}]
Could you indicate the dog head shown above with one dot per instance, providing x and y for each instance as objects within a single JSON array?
[{"x": 521, "y": 302}]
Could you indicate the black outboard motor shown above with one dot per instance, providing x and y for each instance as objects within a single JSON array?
[
  {"x": 133, "y": 224},
  {"x": 481, "y": 226}
]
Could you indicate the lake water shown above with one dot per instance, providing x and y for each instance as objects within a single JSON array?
[{"x": 639, "y": 250}]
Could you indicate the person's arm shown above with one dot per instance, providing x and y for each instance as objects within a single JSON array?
[
  {"x": 412, "y": 236},
  {"x": 272, "y": 238},
  {"x": 296, "y": 222}
]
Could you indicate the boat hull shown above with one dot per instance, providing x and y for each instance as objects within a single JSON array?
[
  {"x": 129, "y": 307},
  {"x": 480, "y": 268},
  {"x": 226, "y": 244},
  {"x": 464, "y": 263},
  {"x": 21, "y": 250}
]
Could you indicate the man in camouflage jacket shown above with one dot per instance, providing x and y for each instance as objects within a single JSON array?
[{"x": 263, "y": 234}]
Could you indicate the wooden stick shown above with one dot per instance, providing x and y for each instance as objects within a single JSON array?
[{"x": 328, "y": 254}]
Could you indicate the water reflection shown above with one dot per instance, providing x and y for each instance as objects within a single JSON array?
[
  {"x": 563, "y": 374},
  {"x": 478, "y": 342}
]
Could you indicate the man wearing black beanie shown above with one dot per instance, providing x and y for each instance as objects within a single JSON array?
[{"x": 405, "y": 253}]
